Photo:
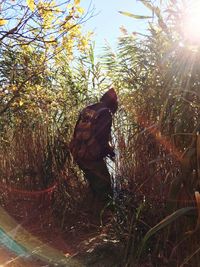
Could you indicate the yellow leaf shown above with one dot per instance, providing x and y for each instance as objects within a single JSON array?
[
  {"x": 3, "y": 22},
  {"x": 21, "y": 103},
  {"x": 76, "y": 2},
  {"x": 13, "y": 87},
  {"x": 80, "y": 10},
  {"x": 31, "y": 4},
  {"x": 69, "y": 6}
]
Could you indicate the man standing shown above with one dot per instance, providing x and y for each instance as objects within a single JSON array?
[{"x": 90, "y": 143}]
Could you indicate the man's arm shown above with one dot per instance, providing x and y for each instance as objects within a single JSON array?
[{"x": 103, "y": 132}]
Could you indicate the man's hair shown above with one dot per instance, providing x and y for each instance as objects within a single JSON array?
[{"x": 110, "y": 100}]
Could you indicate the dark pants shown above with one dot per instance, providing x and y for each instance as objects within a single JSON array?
[{"x": 98, "y": 177}]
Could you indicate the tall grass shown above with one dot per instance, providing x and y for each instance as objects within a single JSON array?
[
  {"x": 158, "y": 82},
  {"x": 156, "y": 134}
]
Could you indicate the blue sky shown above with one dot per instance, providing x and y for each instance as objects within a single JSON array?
[{"x": 107, "y": 21}]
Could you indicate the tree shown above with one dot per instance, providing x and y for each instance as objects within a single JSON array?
[{"x": 33, "y": 33}]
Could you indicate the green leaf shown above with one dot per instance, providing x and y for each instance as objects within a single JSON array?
[
  {"x": 169, "y": 219},
  {"x": 134, "y": 16}
]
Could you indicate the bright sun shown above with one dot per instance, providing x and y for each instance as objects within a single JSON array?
[{"x": 191, "y": 23}]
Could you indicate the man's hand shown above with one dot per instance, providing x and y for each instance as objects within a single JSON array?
[{"x": 112, "y": 155}]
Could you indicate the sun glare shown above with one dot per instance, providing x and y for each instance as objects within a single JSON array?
[{"x": 191, "y": 23}]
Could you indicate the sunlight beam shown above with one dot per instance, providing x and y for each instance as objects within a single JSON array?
[{"x": 191, "y": 22}]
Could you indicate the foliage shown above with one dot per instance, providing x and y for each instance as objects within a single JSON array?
[
  {"x": 31, "y": 42},
  {"x": 157, "y": 75},
  {"x": 48, "y": 72},
  {"x": 43, "y": 85}
]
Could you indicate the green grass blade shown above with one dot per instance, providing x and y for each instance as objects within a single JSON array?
[
  {"x": 134, "y": 16},
  {"x": 166, "y": 221}
]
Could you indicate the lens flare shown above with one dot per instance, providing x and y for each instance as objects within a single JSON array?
[
  {"x": 191, "y": 22},
  {"x": 25, "y": 245}
]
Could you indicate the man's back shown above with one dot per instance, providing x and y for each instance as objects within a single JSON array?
[
  {"x": 92, "y": 132},
  {"x": 103, "y": 127}
]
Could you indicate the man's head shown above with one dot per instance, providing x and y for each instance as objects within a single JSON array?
[{"x": 110, "y": 100}]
